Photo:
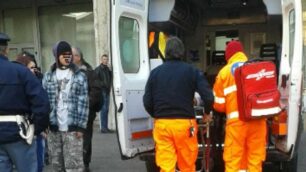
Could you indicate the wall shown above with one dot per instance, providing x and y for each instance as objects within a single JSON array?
[{"x": 102, "y": 29}]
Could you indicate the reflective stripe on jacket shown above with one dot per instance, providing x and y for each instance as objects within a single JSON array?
[{"x": 225, "y": 90}]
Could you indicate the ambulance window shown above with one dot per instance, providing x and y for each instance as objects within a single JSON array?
[
  {"x": 129, "y": 44},
  {"x": 291, "y": 34},
  {"x": 223, "y": 37}
]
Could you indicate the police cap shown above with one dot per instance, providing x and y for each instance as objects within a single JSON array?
[{"x": 4, "y": 39}]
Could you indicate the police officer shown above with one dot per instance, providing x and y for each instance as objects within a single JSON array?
[{"x": 23, "y": 102}]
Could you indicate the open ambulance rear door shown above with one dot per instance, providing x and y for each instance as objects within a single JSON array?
[
  {"x": 130, "y": 63},
  {"x": 290, "y": 74}
]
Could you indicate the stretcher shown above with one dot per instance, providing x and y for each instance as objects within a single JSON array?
[{"x": 205, "y": 146}]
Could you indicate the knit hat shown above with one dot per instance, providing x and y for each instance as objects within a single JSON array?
[
  {"x": 232, "y": 48},
  {"x": 59, "y": 48}
]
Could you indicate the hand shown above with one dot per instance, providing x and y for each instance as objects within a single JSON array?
[
  {"x": 44, "y": 134},
  {"x": 79, "y": 135},
  {"x": 207, "y": 118},
  {"x": 195, "y": 102}
]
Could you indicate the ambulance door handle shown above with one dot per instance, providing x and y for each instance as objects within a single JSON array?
[
  {"x": 120, "y": 108},
  {"x": 284, "y": 81}
]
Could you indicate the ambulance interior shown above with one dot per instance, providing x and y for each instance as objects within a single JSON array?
[{"x": 206, "y": 26}]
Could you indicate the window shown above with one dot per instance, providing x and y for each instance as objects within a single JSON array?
[
  {"x": 129, "y": 44},
  {"x": 18, "y": 24},
  {"x": 71, "y": 23},
  {"x": 223, "y": 37},
  {"x": 291, "y": 34}
]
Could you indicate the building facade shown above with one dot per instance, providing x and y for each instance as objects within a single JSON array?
[{"x": 36, "y": 25}]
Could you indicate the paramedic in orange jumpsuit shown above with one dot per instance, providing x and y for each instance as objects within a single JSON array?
[
  {"x": 242, "y": 139},
  {"x": 168, "y": 99}
]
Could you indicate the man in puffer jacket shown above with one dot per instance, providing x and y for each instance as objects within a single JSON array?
[
  {"x": 244, "y": 146},
  {"x": 67, "y": 89}
]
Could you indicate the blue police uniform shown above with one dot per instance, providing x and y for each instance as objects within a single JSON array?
[{"x": 20, "y": 93}]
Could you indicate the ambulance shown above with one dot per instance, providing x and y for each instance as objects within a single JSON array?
[{"x": 268, "y": 29}]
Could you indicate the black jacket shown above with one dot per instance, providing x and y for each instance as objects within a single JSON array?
[
  {"x": 105, "y": 77},
  {"x": 21, "y": 93},
  {"x": 94, "y": 89},
  {"x": 170, "y": 90}
]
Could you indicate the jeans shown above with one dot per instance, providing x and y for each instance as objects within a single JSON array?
[
  {"x": 40, "y": 141},
  {"x": 104, "y": 110},
  {"x": 19, "y": 153}
]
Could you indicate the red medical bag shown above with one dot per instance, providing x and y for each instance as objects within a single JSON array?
[{"x": 257, "y": 93}]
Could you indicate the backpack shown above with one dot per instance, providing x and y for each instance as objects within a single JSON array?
[{"x": 257, "y": 93}]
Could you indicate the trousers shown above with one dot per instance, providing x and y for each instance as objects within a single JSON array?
[
  {"x": 19, "y": 153},
  {"x": 245, "y": 145},
  {"x": 174, "y": 145}
]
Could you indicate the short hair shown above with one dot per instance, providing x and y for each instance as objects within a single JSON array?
[
  {"x": 174, "y": 48},
  {"x": 104, "y": 55}
]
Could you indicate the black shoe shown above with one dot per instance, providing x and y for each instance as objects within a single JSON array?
[
  {"x": 110, "y": 131},
  {"x": 104, "y": 130},
  {"x": 87, "y": 169}
]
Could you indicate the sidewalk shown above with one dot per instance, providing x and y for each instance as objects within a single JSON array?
[{"x": 106, "y": 156}]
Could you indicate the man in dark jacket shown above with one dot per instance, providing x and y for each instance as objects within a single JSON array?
[
  {"x": 22, "y": 99},
  {"x": 95, "y": 93},
  {"x": 105, "y": 82},
  {"x": 168, "y": 98}
]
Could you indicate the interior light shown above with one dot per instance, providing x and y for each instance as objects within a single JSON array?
[{"x": 78, "y": 15}]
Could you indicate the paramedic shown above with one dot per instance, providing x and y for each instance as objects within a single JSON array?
[
  {"x": 242, "y": 139},
  {"x": 168, "y": 99},
  {"x": 21, "y": 97}
]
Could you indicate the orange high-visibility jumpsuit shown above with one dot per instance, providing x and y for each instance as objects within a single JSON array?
[
  {"x": 242, "y": 139},
  {"x": 174, "y": 144}
]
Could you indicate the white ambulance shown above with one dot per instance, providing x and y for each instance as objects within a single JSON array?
[{"x": 269, "y": 29}]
